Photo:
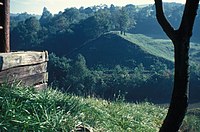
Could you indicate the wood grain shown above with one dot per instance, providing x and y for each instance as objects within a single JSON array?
[
  {"x": 35, "y": 79},
  {"x": 24, "y": 71},
  {"x": 28, "y": 80},
  {"x": 25, "y": 68},
  {"x": 16, "y": 59},
  {"x": 31, "y": 80}
]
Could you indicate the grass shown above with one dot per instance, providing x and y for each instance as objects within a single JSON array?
[
  {"x": 157, "y": 47},
  {"x": 26, "y": 109},
  {"x": 160, "y": 47},
  {"x": 192, "y": 120}
]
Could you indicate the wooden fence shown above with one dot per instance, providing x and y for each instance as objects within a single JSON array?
[{"x": 27, "y": 68}]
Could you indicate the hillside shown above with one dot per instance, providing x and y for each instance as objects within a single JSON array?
[
  {"x": 137, "y": 66},
  {"x": 26, "y": 109},
  {"x": 115, "y": 49},
  {"x": 161, "y": 47}
]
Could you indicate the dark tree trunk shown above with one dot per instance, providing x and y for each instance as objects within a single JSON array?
[
  {"x": 181, "y": 40},
  {"x": 179, "y": 100},
  {"x": 121, "y": 32},
  {"x": 5, "y": 26}
]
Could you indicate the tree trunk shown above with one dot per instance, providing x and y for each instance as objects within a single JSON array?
[
  {"x": 124, "y": 33},
  {"x": 121, "y": 32},
  {"x": 179, "y": 100},
  {"x": 5, "y": 23},
  {"x": 181, "y": 40}
]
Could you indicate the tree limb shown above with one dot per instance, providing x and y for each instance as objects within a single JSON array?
[
  {"x": 188, "y": 18},
  {"x": 166, "y": 26}
]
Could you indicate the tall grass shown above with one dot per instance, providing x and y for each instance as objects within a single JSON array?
[{"x": 26, "y": 109}]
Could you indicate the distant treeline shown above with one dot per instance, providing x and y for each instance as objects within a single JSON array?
[{"x": 63, "y": 32}]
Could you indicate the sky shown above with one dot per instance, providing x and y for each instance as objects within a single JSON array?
[{"x": 54, "y": 6}]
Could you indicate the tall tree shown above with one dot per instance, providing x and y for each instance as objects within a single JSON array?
[
  {"x": 46, "y": 17},
  {"x": 181, "y": 40},
  {"x": 25, "y": 34},
  {"x": 32, "y": 24},
  {"x": 73, "y": 15},
  {"x": 123, "y": 21},
  {"x": 94, "y": 26}
]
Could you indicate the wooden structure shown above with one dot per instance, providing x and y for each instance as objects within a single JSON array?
[
  {"x": 5, "y": 26},
  {"x": 27, "y": 68}
]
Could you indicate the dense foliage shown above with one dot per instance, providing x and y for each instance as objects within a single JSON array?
[
  {"x": 74, "y": 76},
  {"x": 136, "y": 84}
]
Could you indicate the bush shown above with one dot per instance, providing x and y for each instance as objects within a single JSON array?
[{"x": 139, "y": 83}]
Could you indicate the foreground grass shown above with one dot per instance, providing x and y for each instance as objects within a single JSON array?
[{"x": 25, "y": 109}]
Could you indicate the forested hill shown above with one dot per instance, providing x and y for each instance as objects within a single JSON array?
[
  {"x": 128, "y": 50},
  {"x": 67, "y": 30},
  {"x": 133, "y": 65},
  {"x": 98, "y": 30},
  {"x": 131, "y": 49}
]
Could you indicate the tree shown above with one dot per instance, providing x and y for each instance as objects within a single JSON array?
[
  {"x": 32, "y": 24},
  {"x": 103, "y": 21},
  {"x": 46, "y": 17},
  {"x": 93, "y": 26},
  {"x": 73, "y": 15},
  {"x": 181, "y": 41},
  {"x": 123, "y": 21},
  {"x": 59, "y": 24},
  {"x": 25, "y": 34}
]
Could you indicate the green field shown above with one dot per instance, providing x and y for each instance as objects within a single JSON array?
[
  {"x": 160, "y": 47},
  {"x": 157, "y": 47},
  {"x": 25, "y": 109}
]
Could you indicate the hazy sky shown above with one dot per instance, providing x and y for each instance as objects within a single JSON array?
[{"x": 54, "y": 6}]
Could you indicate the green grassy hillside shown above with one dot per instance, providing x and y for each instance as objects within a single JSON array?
[
  {"x": 127, "y": 50},
  {"x": 161, "y": 47},
  {"x": 157, "y": 47},
  {"x": 25, "y": 109}
]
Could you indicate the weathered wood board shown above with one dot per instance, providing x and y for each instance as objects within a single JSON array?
[
  {"x": 27, "y": 68},
  {"x": 34, "y": 79},
  {"x": 20, "y": 72},
  {"x": 15, "y": 59}
]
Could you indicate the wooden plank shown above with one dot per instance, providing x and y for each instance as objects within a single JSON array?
[
  {"x": 16, "y": 59},
  {"x": 29, "y": 80},
  {"x": 41, "y": 86},
  {"x": 20, "y": 72},
  {"x": 34, "y": 79}
]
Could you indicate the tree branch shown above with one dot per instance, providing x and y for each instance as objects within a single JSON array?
[
  {"x": 188, "y": 18},
  {"x": 166, "y": 26}
]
